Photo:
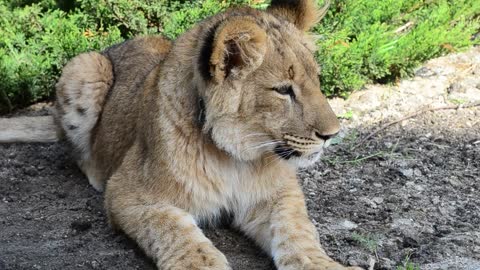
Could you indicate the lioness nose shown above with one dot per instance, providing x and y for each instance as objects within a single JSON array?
[{"x": 325, "y": 136}]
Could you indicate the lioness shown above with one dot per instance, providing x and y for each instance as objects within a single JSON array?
[{"x": 217, "y": 121}]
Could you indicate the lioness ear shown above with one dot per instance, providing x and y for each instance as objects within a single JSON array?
[
  {"x": 239, "y": 47},
  {"x": 303, "y": 13}
]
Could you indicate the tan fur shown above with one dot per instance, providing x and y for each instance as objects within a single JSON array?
[
  {"x": 303, "y": 13},
  {"x": 27, "y": 129},
  {"x": 191, "y": 130}
]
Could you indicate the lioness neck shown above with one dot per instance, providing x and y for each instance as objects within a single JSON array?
[{"x": 174, "y": 136}]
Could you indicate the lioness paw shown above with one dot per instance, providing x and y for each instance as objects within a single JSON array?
[
  {"x": 332, "y": 267},
  {"x": 322, "y": 263},
  {"x": 201, "y": 257},
  {"x": 312, "y": 263}
]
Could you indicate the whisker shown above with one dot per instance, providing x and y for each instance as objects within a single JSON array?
[
  {"x": 271, "y": 142},
  {"x": 262, "y": 144},
  {"x": 278, "y": 158},
  {"x": 273, "y": 157},
  {"x": 256, "y": 134}
]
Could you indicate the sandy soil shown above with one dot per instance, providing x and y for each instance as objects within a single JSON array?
[{"x": 412, "y": 192}]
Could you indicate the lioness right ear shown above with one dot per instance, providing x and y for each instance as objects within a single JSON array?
[
  {"x": 238, "y": 48},
  {"x": 302, "y": 13}
]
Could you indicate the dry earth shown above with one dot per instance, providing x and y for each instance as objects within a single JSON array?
[{"x": 411, "y": 192}]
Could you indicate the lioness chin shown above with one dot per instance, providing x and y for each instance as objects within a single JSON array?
[{"x": 219, "y": 120}]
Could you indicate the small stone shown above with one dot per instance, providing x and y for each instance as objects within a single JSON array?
[
  {"x": 31, "y": 171},
  {"x": 410, "y": 184},
  {"x": 352, "y": 262},
  {"x": 456, "y": 88},
  {"x": 28, "y": 216},
  {"x": 425, "y": 72},
  {"x": 454, "y": 182},
  {"x": 402, "y": 222},
  {"x": 419, "y": 188},
  {"x": 377, "y": 185},
  {"x": 377, "y": 200},
  {"x": 417, "y": 172},
  {"x": 407, "y": 172},
  {"x": 61, "y": 194},
  {"x": 369, "y": 203},
  {"x": 348, "y": 225},
  {"x": 437, "y": 160},
  {"x": 95, "y": 264},
  {"x": 443, "y": 229},
  {"x": 410, "y": 242},
  {"x": 81, "y": 225},
  {"x": 387, "y": 263}
]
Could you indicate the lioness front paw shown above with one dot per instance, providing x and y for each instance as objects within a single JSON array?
[
  {"x": 326, "y": 263},
  {"x": 331, "y": 267},
  {"x": 202, "y": 257},
  {"x": 315, "y": 263}
]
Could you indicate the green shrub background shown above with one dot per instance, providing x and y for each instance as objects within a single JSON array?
[{"x": 358, "y": 40}]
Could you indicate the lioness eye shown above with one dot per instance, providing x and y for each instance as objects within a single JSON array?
[{"x": 285, "y": 90}]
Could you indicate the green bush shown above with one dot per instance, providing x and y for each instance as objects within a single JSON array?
[
  {"x": 170, "y": 18},
  {"x": 361, "y": 40},
  {"x": 358, "y": 40},
  {"x": 35, "y": 45},
  {"x": 39, "y": 36}
]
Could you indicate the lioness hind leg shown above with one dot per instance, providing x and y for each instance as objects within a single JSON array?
[
  {"x": 91, "y": 172},
  {"x": 166, "y": 233},
  {"x": 81, "y": 93}
]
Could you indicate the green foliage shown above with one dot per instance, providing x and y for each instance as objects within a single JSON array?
[
  {"x": 408, "y": 265},
  {"x": 141, "y": 17},
  {"x": 359, "y": 40},
  {"x": 367, "y": 241},
  {"x": 347, "y": 115},
  {"x": 22, "y": 3},
  {"x": 34, "y": 46},
  {"x": 364, "y": 41},
  {"x": 38, "y": 37}
]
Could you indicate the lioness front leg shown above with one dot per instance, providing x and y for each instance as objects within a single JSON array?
[
  {"x": 282, "y": 227},
  {"x": 166, "y": 233}
]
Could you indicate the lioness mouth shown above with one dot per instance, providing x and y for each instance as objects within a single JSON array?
[{"x": 286, "y": 152}]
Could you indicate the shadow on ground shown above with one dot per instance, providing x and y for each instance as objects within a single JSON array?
[{"x": 411, "y": 192}]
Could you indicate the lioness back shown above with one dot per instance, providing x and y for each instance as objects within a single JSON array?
[{"x": 97, "y": 99}]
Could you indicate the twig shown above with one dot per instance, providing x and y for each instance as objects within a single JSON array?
[
  {"x": 371, "y": 263},
  {"x": 404, "y": 27},
  {"x": 448, "y": 107}
]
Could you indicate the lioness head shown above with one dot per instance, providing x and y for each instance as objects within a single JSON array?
[{"x": 260, "y": 84}]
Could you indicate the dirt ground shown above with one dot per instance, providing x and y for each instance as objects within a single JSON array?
[{"x": 411, "y": 192}]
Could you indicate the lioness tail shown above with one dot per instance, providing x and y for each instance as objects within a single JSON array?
[{"x": 27, "y": 129}]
